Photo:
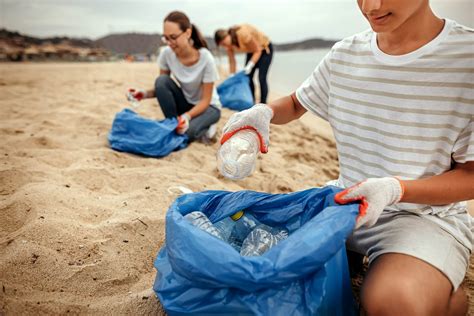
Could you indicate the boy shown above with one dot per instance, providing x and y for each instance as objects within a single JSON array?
[{"x": 400, "y": 100}]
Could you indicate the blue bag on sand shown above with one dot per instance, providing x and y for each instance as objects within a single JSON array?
[
  {"x": 234, "y": 92},
  {"x": 305, "y": 274},
  {"x": 135, "y": 134}
]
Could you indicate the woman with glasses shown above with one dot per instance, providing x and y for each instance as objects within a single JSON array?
[
  {"x": 246, "y": 38},
  {"x": 194, "y": 101}
]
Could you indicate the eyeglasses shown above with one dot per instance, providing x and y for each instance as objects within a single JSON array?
[{"x": 171, "y": 38}]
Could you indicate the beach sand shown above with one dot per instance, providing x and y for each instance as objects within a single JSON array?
[{"x": 81, "y": 224}]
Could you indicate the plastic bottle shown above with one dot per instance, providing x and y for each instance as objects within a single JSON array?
[
  {"x": 132, "y": 99},
  {"x": 235, "y": 228},
  {"x": 261, "y": 239},
  {"x": 237, "y": 157},
  {"x": 200, "y": 220}
]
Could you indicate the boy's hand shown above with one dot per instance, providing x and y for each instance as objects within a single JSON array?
[
  {"x": 256, "y": 118},
  {"x": 183, "y": 123},
  {"x": 375, "y": 194}
]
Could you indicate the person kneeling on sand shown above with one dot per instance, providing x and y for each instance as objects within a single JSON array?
[
  {"x": 194, "y": 101},
  {"x": 400, "y": 100},
  {"x": 246, "y": 38}
]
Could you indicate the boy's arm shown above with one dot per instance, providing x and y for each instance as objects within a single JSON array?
[
  {"x": 452, "y": 186},
  {"x": 286, "y": 109},
  {"x": 375, "y": 194},
  {"x": 259, "y": 116}
]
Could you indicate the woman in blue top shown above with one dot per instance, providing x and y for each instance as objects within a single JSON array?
[{"x": 194, "y": 101}]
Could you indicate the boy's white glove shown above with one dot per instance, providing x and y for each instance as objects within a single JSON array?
[
  {"x": 256, "y": 118},
  {"x": 248, "y": 68},
  {"x": 374, "y": 194}
]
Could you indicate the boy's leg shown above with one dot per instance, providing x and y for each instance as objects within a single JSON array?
[
  {"x": 170, "y": 97},
  {"x": 398, "y": 284},
  {"x": 414, "y": 263},
  {"x": 199, "y": 124}
]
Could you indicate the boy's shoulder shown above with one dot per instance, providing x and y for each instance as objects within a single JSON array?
[
  {"x": 459, "y": 29},
  {"x": 355, "y": 41}
]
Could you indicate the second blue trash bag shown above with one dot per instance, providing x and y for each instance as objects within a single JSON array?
[
  {"x": 135, "y": 134},
  {"x": 305, "y": 274},
  {"x": 234, "y": 92}
]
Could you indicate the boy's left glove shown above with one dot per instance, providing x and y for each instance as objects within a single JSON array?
[
  {"x": 183, "y": 123},
  {"x": 374, "y": 195}
]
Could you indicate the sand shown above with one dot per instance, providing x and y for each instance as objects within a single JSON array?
[{"x": 81, "y": 224}]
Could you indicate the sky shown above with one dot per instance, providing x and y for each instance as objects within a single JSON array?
[{"x": 283, "y": 20}]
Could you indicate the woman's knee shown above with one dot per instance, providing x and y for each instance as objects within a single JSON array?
[
  {"x": 163, "y": 82},
  {"x": 199, "y": 126}
]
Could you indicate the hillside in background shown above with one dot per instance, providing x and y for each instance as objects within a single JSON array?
[
  {"x": 16, "y": 46},
  {"x": 306, "y": 44},
  {"x": 136, "y": 43}
]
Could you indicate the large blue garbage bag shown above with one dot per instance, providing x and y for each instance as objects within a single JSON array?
[
  {"x": 305, "y": 274},
  {"x": 234, "y": 92},
  {"x": 135, "y": 134}
]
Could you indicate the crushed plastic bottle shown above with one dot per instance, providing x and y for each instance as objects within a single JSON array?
[
  {"x": 200, "y": 220},
  {"x": 235, "y": 228},
  {"x": 237, "y": 157},
  {"x": 261, "y": 239},
  {"x": 134, "y": 97}
]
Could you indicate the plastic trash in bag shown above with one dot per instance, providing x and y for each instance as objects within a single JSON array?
[
  {"x": 261, "y": 239},
  {"x": 234, "y": 92},
  {"x": 304, "y": 274},
  {"x": 135, "y": 134}
]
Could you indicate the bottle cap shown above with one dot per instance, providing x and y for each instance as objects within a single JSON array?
[{"x": 237, "y": 215}]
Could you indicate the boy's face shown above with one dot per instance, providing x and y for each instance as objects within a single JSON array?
[{"x": 389, "y": 15}]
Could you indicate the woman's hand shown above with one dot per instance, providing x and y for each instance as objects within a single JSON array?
[
  {"x": 136, "y": 95},
  {"x": 183, "y": 123}
]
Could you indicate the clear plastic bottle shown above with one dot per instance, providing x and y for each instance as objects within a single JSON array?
[
  {"x": 237, "y": 157},
  {"x": 235, "y": 228},
  {"x": 261, "y": 239},
  {"x": 200, "y": 220}
]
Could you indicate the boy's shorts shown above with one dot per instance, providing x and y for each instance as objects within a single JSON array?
[{"x": 417, "y": 236}]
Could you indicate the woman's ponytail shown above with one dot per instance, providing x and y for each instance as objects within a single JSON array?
[{"x": 198, "y": 39}]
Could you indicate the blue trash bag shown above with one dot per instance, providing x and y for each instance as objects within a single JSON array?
[
  {"x": 234, "y": 92},
  {"x": 305, "y": 274},
  {"x": 135, "y": 134}
]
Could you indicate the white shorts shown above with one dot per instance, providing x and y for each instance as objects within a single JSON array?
[{"x": 415, "y": 235}]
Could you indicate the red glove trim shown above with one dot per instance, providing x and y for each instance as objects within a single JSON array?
[
  {"x": 341, "y": 199},
  {"x": 228, "y": 135}
]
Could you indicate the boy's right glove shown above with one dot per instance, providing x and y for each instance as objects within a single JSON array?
[{"x": 256, "y": 118}]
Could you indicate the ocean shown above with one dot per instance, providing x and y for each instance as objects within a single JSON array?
[{"x": 288, "y": 69}]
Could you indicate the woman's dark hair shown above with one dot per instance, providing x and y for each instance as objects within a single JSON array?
[
  {"x": 220, "y": 34},
  {"x": 184, "y": 23}
]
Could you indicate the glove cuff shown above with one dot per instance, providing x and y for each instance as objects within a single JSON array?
[
  {"x": 268, "y": 111},
  {"x": 187, "y": 116},
  {"x": 397, "y": 189}
]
